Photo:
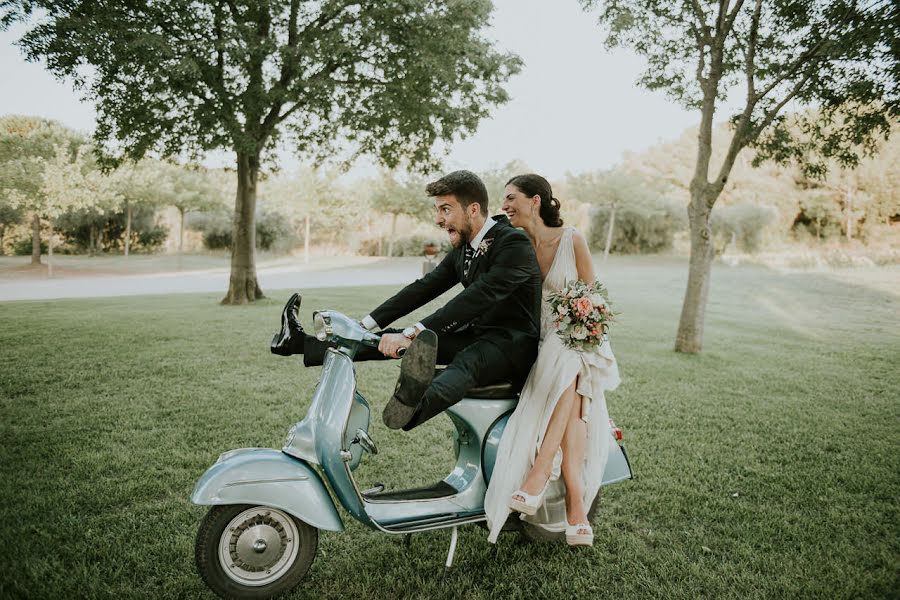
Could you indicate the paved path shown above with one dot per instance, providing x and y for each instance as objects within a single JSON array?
[{"x": 382, "y": 272}]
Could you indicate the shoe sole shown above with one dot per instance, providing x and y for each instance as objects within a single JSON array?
[
  {"x": 580, "y": 539},
  {"x": 525, "y": 509},
  {"x": 416, "y": 373}
]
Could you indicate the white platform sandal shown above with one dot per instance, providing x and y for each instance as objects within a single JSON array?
[
  {"x": 530, "y": 504},
  {"x": 580, "y": 534}
]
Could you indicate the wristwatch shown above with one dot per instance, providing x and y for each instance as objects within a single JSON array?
[{"x": 411, "y": 332}]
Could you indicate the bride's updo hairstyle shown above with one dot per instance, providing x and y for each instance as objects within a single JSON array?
[{"x": 534, "y": 185}]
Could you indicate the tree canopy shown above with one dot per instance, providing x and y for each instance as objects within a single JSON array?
[
  {"x": 839, "y": 56},
  {"x": 390, "y": 79}
]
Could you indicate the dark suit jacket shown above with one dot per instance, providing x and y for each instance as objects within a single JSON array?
[{"x": 501, "y": 299}]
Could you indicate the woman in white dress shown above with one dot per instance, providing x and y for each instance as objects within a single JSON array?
[{"x": 554, "y": 449}]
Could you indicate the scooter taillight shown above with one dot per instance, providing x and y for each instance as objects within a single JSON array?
[{"x": 615, "y": 430}]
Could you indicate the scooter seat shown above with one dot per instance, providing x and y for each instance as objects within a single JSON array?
[{"x": 503, "y": 390}]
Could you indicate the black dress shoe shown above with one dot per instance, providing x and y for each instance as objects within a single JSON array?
[
  {"x": 416, "y": 372},
  {"x": 289, "y": 340}
]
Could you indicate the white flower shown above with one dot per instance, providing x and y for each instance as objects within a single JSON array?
[
  {"x": 561, "y": 309},
  {"x": 566, "y": 320},
  {"x": 598, "y": 300},
  {"x": 580, "y": 332}
]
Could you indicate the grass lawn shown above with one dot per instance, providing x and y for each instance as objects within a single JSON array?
[{"x": 765, "y": 467}]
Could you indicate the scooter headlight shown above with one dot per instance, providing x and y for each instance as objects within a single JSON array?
[{"x": 322, "y": 325}]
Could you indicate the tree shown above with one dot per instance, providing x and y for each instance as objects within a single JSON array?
[
  {"x": 837, "y": 55},
  {"x": 612, "y": 189},
  {"x": 69, "y": 181},
  {"x": 187, "y": 188},
  {"x": 306, "y": 198},
  {"x": 141, "y": 184},
  {"x": 27, "y": 145},
  {"x": 9, "y": 215},
  {"x": 395, "y": 198},
  {"x": 495, "y": 181},
  {"x": 391, "y": 78}
]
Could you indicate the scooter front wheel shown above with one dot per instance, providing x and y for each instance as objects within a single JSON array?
[{"x": 249, "y": 552}]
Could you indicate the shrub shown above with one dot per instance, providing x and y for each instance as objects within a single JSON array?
[
  {"x": 22, "y": 246},
  {"x": 413, "y": 245},
  {"x": 273, "y": 230},
  {"x": 745, "y": 222},
  {"x": 82, "y": 227},
  {"x": 641, "y": 227}
]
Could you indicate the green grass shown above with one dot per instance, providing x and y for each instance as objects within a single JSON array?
[{"x": 765, "y": 467}]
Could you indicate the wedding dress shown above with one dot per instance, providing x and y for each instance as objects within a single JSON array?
[{"x": 553, "y": 372}]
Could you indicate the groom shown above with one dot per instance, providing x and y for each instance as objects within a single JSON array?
[{"x": 485, "y": 334}]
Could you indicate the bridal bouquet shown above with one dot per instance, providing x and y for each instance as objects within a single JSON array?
[{"x": 582, "y": 314}]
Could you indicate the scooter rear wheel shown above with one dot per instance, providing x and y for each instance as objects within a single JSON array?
[{"x": 250, "y": 552}]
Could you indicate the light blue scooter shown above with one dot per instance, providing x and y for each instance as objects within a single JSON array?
[{"x": 259, "y": 538}]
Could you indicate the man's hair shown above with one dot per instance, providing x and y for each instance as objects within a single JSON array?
[{"x": 466, "y": 186}]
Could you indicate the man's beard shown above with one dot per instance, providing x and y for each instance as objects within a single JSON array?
[{"x": 464, "y": 233}]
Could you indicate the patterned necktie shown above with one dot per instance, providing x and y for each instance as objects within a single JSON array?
[{"x": 470, "y": 253}]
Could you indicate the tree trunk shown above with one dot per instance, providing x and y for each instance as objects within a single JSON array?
[
  {"x": 50, "y": 250},
  {"x": 609, "y": 232},
  {"x": 693, "y": 312},
  {"x": 35, "y": 239},
  {"x": 181, "y": 228},
  {"x": 127, "y": 227},
  {"x": 2, "y": 233},
  {"x": 243, "y": 287},
  {"x": 849, "y": 200},
  {"x": 306, "y": 242},
  {"x": 393, "y": 235}
]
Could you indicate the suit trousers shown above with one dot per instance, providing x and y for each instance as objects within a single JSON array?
[{"x": 471, "y": 361}]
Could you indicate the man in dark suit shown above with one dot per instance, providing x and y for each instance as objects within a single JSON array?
[{"x": 485, "y": 334}]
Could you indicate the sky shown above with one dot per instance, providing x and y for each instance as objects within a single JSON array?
[{"x": 575, "y": 106}]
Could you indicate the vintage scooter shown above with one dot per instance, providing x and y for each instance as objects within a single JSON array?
[{"x": 259, "y": 538}]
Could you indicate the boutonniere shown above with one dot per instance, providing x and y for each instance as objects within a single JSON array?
[{"x": 483, "y": 247}]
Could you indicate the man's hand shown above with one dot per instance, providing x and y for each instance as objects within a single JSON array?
[{"x": 391, "y": 343}]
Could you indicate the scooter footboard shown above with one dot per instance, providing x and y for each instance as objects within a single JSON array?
[{"x": 268, "y": 477}]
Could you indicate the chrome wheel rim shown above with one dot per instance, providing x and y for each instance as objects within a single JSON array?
[{"x": 258, "y": 546}]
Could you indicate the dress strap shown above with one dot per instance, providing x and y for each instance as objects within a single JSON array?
[{"x": 571, "y": 267}]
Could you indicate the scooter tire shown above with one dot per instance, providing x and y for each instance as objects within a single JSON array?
[
  {"x": 212, "y": 571},
  {"x": 534, "y": 533}
]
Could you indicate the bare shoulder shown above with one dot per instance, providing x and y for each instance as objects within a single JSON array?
[{"x": 579, "y": 240}]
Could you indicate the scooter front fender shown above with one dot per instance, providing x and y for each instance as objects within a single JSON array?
[{"x": 271, "y": 478}]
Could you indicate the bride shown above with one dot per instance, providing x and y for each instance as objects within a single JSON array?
[{"x": 561, "y": 425}]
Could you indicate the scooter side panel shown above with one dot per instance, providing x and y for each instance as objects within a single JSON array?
[
  {"x": 617, "y": 467},
  {"x": 271, "y": 478}
]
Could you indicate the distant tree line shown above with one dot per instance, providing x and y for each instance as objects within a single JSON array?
[{"x": 636, "y": 207}]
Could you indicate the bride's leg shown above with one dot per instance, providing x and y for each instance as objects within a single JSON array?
[
  {"x": 574, "y": 443},
  {"x": 543, "y": 463}
]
